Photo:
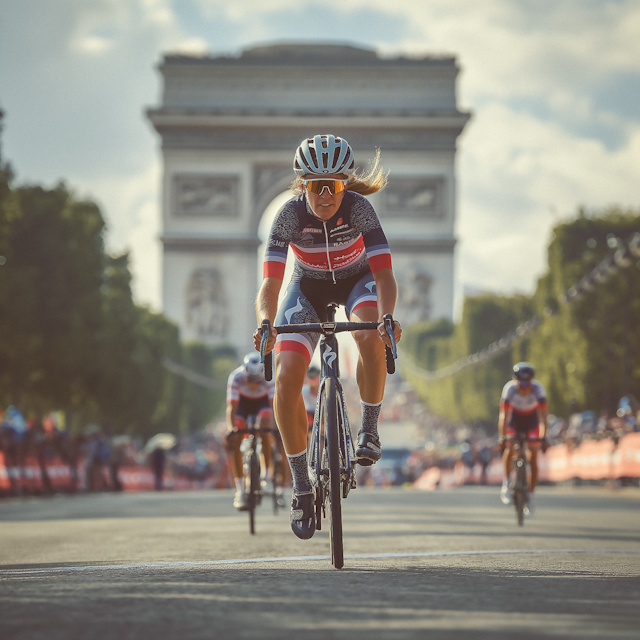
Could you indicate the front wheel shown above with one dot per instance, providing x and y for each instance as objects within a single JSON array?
[
  {"x": 520, "y": 492},
  {"x": 335, "y": 488}
]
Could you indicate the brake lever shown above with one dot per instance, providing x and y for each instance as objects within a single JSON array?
[
  {"x": 266, "y": 359},
  {"x": 388, "y": 325},
  {"x": 391, "y": 353}
]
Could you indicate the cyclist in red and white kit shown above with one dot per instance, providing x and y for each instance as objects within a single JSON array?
[
  {"x": 342, "y": 256},
  {"x": 523, "y": 408},
  {"x": 248, "y": 394}
]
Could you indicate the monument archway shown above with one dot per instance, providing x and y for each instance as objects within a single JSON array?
[{"x": 229, "y": 127}]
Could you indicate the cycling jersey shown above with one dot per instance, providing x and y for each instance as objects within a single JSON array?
[
  {"x": 238, "y": 388},
  {"x": 351, "y": 243},
  {"x": 523, "y": 405}
]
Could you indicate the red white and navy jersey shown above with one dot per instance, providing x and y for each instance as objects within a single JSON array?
[
  {"x": 350, "y": 243},
  {"x": 238, "y": 388},
  {"x": 523, "y": 405}
]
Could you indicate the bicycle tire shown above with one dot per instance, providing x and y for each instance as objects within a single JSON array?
[
  {"x": 520, "y": 497},
  {"x": 335, "y": 483},
  {"x": 254, "y": 488}
]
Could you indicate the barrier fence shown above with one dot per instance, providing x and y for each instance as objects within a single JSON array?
[
  {"x": 27, "y": 478},
  {"x": 590, "y": 460}
]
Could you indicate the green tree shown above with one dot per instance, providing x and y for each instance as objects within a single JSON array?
[
  {"x": 51, "y": 301},
  {"x": 588, "y": 354}
]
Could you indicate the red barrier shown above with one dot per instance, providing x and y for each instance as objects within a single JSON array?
[
  {"x": 591, "y": 460},
  {"x": 27, "y": 478}
]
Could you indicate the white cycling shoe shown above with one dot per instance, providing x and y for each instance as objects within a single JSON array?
[
  {"x": 240, "y": 501},
  {"x": 505, "y": 493},
  {"x": 529, "y": 508}
]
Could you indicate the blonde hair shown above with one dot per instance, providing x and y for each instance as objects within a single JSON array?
[{"x": 375, "y": 179}]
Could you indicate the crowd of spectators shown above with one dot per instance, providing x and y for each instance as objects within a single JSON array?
[
  {"x": 586, "y": 425},
  {"x": 95, "y": 459}
]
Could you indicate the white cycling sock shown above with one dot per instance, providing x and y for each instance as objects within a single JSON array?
[{"x": 238, "y": 482}]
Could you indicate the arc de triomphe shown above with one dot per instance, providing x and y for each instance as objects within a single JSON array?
[{"x": 229, "y": 127}]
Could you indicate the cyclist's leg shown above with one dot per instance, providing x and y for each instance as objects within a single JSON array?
[
  {"x": 233, "y": 441},
  {"x": 533, "y": 434},
  {"x": 507, "y": 457},
  {"x": 265, "y": 420},
  {"x": 232, "y": 445},
  {"x": 293, "y": 355},
  {"x": 371, "y": 371}
]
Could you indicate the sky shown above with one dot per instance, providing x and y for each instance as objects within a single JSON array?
[{"x": 553, "y": 86}]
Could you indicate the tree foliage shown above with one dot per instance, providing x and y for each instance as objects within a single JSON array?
[
  {"x": 71, "y": 336},
  {"x": 587, "y": 354}
]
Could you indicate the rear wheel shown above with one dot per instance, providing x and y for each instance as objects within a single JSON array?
[
  {"x": 278, "y": 474},
  {"x": 254, "y": 488},
  {"x": 335, "y": 489}
]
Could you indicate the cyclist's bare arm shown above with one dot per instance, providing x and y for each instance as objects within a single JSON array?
[
  {"x": 542, "y": 419},
  {"x": 266, "y": 309},
  {"x": 387, "y": 291},
  {"x": 502, "y": 421},
  {"x": 232, "y": 407}
]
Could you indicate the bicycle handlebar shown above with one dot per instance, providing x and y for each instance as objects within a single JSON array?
[{"x": 327, "y": 328}]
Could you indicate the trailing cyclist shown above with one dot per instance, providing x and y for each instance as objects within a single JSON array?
[
  {"x": 523, "y": 408},
  {"x": 248, "y": 394},
  {"x": 342, "y": 256}
]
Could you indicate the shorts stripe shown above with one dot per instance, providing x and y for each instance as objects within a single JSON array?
[
  {"x": 364, "y": 303},
  {"x": 298, "y": 343}
]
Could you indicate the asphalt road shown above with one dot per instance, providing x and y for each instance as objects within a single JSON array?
[{"x": 446, "y": 564}]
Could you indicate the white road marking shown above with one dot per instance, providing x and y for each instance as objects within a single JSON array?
[{"x": 362, "y": 556}]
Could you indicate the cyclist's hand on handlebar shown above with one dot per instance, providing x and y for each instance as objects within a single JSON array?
[
  {"x": 397, "y": 333},
  {"x": 271, "y": 340}
]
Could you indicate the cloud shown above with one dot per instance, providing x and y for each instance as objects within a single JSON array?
[
  {"x": 553, "y": 86},
  {"x": 518, "y": 177}
]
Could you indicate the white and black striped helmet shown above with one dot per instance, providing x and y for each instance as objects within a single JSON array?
[{"x": 324, "y": 155}]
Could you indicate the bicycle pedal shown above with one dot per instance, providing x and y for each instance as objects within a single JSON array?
[{"x": 365, "y": 462}]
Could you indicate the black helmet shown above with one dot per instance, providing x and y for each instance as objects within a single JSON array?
[{"x": 523, "y": 371}]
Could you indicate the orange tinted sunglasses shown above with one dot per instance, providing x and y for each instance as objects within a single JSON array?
[{"x": 318, "y": 186}]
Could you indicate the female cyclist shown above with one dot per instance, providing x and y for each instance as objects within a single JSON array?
[{"x": 342, "y": 256}]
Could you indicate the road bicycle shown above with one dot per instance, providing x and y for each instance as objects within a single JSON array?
[
  {"x": 331, "y": 453},
  {"x": 520, "y": 489},
  {"x": 251, "y": 448}
]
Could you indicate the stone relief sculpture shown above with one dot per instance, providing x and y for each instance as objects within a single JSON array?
[
  {"x": 414, "y": 296},
  {"x": 206, "y": 304},
  {"x": 204, "y": 195},
  {"x": 414, "y": 196}
]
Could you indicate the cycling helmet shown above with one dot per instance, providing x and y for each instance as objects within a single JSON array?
[
  {"x": 253, "y": 368},
  {"x": 323, "y": 155},
  {"x": 523, "y": 371}
]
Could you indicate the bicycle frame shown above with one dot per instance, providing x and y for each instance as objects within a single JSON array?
[{"x": 330, "y": 370}]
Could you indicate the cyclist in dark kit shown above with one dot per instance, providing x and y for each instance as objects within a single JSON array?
[{"x": 342, "y": 256}]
